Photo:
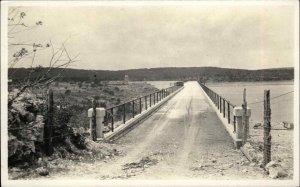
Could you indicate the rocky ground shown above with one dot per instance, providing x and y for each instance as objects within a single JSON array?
[{"x": 282, "y": 155}]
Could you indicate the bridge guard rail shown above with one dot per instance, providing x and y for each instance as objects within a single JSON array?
[
  {"x": 229, "y": 114},
  {"x": 119, "y": 114},
  {"x": 224, "y": 106}
]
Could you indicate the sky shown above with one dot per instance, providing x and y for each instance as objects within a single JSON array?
[{"x": 130, "y": 37}]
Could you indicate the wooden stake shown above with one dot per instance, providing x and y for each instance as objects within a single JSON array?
[
  {"x": 267, "y": 128},
  {"x": 48, "y": 125},
  {"x": 244, "y": 117}
]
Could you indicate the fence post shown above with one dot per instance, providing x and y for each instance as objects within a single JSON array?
[
  {"x": 48, "y": 125},
  {"x": 267, "y": 127},
  {"x": 150, "y": 100},
  {"x": 244, "y": 118}
]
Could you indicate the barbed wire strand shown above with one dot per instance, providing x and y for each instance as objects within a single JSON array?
[{"x": 271, "y": 98}]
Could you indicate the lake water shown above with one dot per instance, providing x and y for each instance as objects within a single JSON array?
[
  {"x": 281, "y": 108},
  {"x": 161, "y": 84}
]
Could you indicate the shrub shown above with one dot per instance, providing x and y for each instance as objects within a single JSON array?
[
  {"x": 110, "y": 92},
  {"x": 68, "y": 92}
]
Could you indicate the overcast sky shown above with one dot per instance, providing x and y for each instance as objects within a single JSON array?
[{"x": 130, "y": 37}]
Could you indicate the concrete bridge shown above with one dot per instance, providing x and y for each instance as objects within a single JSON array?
[
  {"x": 182, "y": 138},
  {"x": 186, "y": 107}
]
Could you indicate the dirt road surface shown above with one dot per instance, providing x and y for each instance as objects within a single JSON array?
[{"x": 184, "y": 139}]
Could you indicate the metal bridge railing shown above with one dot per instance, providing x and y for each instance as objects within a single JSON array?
[
  {"x": 224, "y": 106},
  {"x": 119, "y": 114}
]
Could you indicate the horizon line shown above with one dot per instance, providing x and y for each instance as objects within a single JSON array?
[{"x": 165, "y": 68}]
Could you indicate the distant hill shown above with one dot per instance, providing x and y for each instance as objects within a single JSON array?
[{"x": 171, "y": 73}]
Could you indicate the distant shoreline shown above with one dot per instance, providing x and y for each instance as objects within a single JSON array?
[
  {"x": 281, "y": 82},
  {"x": 204, "y": 74}
]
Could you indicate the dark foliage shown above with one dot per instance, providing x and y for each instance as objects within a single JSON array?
[{"x": 172, "y": 73}]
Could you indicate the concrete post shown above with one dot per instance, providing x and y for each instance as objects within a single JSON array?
[
  {"x": 100, "y": 113},
  {"x": 238, "y": 114}
]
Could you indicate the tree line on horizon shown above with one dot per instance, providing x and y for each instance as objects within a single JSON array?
[{"x": 204, "y": 74}]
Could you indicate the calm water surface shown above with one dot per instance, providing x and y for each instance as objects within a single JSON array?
[
  {"x": 281, "y": 108},
  {"x": 161, "y": 84}
]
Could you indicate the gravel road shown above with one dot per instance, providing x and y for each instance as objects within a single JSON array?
[{"x": 184, "y": 139}]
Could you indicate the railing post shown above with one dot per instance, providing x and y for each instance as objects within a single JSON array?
[
  {"x": 146, "y": 106},
  {"x": 159, "y": 92},
  {"x": 96, "y": 116},
  {"x": 157, "y": 97},
  {"x": 220, "y": 104},
  {"x": 112, "y": 119},
  {"x": 133, "y": 108},
  {"x": 140, "y": 105},
  {"x": 154, "y": 98},
  {"x": 224, "y": 108},
  {"x": 218, "y": 101},
  {"x": 228, "y": 114},
  {"x": 150, "y": 100},
  {"x": 234, "y": 123},
  {"x": 124, "y": 113},
  {"x": 94, "y": 123},
  {"x": 215, "y": 99},
  {"x": 238, "y": 116}
]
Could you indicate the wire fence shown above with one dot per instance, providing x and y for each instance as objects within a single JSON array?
[{"x": 272, "y": 98}]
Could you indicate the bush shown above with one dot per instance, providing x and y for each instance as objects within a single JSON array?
[
  {"x": 67, "y": 92},
  {"x": 110, "y": 92},
  {"x": 96, "y": 97},
  {"x": 26, "y": 128}
]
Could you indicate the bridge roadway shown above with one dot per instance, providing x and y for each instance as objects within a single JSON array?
[{"x": 184, "y": 139}]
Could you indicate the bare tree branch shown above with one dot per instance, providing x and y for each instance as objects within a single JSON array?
[{"x": 37, "y": 76}]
